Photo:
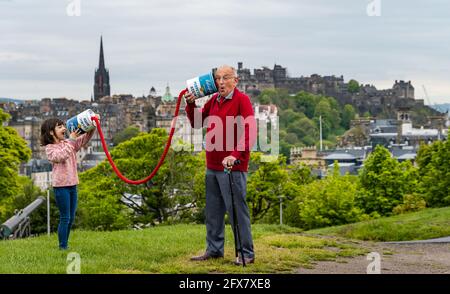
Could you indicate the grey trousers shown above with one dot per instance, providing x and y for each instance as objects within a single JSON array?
[{"x": 218, "y": 201}]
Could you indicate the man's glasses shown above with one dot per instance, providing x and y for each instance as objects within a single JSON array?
[{"x": 224, "y": 78}]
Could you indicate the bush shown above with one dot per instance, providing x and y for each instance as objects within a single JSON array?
[
  {"x": 434, "y": 170},
  {"x": 101, "y": 211},
  {"x": 411, "y": 202},
  {"x": 329, "y": 202},
  {"x": 384, "y": 181}
]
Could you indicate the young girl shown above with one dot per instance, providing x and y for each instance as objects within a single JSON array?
[{"x": 62, "y": 153}]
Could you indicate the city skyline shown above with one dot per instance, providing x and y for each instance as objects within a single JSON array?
[{"x": 44, "y": 52}]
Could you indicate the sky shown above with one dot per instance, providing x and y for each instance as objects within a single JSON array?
[{"x": 50, "y": 48}]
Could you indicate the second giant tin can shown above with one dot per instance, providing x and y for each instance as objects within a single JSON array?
[
  {"x": 81, "y": 122},
  {"x": 202, "y": 85}
]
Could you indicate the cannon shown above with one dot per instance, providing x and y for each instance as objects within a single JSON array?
[{"x": 18, "y": 226}]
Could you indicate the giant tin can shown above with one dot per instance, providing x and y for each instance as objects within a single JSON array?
[
  {"x": 202, "y": 85},
  {"x": 81, "y": 122}
]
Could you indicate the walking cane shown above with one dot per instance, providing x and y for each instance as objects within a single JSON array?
[{"x": 236, "y": 231}]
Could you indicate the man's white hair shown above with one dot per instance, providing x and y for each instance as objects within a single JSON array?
[{"x": 229, "y": 67}]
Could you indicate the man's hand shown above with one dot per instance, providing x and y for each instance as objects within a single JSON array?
[
  {"x": 189, "y": 97},
  {"x": 228, "y": 161}
]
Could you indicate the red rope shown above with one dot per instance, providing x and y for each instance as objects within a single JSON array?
[{"x": 163, "y": 156}]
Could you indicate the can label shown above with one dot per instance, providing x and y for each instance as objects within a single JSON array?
[
  {"x": 81, "y": 122},
  {"x": 202, "y": 85}
]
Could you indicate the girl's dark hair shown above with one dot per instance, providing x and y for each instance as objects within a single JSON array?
[{"x": 48, "y": 126}]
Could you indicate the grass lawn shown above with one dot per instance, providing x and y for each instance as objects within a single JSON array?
[
  {"x": 426, "y": 224},
  {"x": 167, "y": 249}
]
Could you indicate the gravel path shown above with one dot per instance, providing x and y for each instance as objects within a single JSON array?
[
  {"x": 437, "y": 240},
  {"x": 396, "y": 258}
]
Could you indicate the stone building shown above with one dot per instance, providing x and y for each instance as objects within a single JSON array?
[
  {"x": 367, "y": 99},
  {"x": 29, "y": 128}
]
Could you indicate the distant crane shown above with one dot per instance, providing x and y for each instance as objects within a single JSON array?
[
  {"x": 426, "y": 96},
  {"x": 438, "y": 118}
]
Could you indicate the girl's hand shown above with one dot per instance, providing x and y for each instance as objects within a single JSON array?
[{"x": 74, "y": 135}]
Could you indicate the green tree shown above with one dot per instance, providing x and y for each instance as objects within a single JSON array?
[
  {"x": 291, "y": 138},
  {"x": 279, "y": 97},
  {"x": 285, "y": 149},
  {"x": 434, "y": 171},
  {"x": 323, "y": 108},
  {"x": 347, "y": 115},
  {"x": 288, "y": 116},
  {"x": 353, "y": 86},
  {"x": 167, "y": 196},
  {"x": 328, "y": 202},
  {"x": 303, "y": 127},
  {"x": 384, "y": 181},
  {"x": 13, "y": 151},
  {"x": 306, "y": 103},
  {"x": 300, "y": 174},
  {"x": 125, "y": 134},
  {"x": 264, "y": 97},
  {"x": 330, "y": 117},
  {"x": 199, "y": 191},
  {"x": 265, "y": 185}
]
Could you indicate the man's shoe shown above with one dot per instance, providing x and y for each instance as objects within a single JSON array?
[
  {"x": 248, "y": 260},
  {"x": 205, "y": 256}
]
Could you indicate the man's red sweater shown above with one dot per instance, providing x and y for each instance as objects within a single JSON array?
[{"x": 240, "y": 114}]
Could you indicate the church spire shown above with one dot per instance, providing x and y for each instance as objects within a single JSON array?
[
  {"x": 101, "y": 79},
  {"x": 101, "y": 63}
]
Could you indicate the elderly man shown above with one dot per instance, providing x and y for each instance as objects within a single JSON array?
[{"x": 231, "y": 132}]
